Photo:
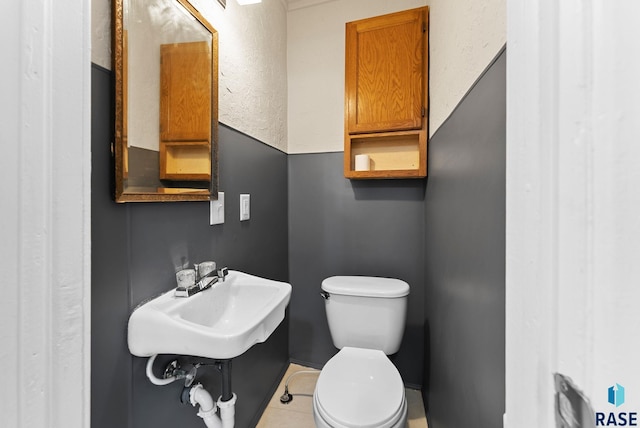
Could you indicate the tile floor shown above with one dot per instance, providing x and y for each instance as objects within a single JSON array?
[{"x": 298, "y": 413}]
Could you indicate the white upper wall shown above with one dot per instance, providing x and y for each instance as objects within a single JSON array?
[
  {"x": 263, "y": 45},
  {"x": 464, "y": 36},
  {"x": 252, "y": 63}
]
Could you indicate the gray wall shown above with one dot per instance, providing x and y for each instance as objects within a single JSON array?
[
  {"x": 465, "y": 260},
  {"x": 446, "y": 239},
  {"x": 133, "y": 251},
  {"x": 343, "y": 227}
]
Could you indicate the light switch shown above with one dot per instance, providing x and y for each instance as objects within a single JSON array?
[
  {"x": 245, "y": 206},
  {"x": 216, "y": 215}
]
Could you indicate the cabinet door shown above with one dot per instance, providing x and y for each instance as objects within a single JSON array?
[
  {"x": 185, "y": 111},
  {"x": 185, "y": 95},
  {"x": 385, "y": 72}
]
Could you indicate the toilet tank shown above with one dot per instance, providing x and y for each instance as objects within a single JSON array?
[{"x": 366, "y": 312}]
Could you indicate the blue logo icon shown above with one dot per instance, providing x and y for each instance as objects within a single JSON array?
[{"x": 616, "y": 395}]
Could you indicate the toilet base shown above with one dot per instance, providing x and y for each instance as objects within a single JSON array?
[{"x": 321, "y": 423}]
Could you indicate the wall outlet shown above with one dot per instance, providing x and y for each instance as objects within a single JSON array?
[{"x": 245, "y": 207}]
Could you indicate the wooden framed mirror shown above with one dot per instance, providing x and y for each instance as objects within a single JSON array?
[{"x": 165, "y": 58}]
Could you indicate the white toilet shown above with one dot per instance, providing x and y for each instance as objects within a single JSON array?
[{"x": 360, "y": 387}]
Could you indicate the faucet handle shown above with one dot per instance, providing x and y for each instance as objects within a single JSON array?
[
  {"x": 222, "y": 273},
  {"x": 204, "y": 269}
]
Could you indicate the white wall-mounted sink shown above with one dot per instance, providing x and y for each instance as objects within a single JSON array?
[{"x": 221, "y": 322}]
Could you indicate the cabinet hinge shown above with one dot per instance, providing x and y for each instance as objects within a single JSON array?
[
  {"x": 424, "y": 27},
  {"x": 423, "y": 111}
]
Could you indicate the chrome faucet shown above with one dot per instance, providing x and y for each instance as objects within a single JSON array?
[{"x": 202, "y": 282}]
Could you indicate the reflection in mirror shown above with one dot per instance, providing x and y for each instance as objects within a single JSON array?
[{"x": 166, "y": 64}]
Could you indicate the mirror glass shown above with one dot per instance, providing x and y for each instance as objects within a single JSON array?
[{"x": 166, "y": 65}]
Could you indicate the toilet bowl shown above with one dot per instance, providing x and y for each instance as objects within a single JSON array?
[{"x": 359, "y": 388}]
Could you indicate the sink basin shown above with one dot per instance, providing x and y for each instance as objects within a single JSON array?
[{"x": 221, "y": 322}]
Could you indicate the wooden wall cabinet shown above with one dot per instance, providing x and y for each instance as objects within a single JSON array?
[
  {"x": 386, "y": 93},
  {"x": 185, "y": 111}
]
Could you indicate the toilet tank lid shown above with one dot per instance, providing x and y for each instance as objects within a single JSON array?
[{"x": 365, "y": 286}]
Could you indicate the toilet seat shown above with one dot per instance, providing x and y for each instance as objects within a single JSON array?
[{"x": 360, "y": 388}]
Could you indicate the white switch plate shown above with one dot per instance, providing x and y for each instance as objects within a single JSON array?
[
  {"x": 216, "y": 215},
  {"x": 245, "y": 206}
]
